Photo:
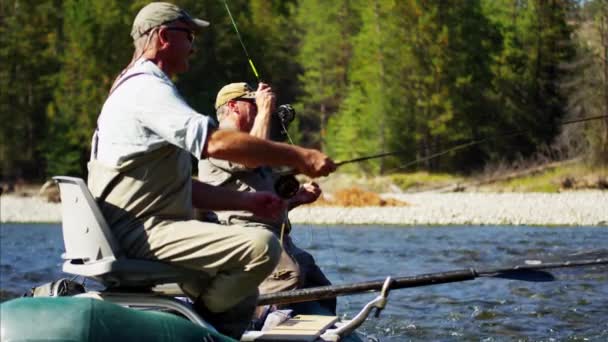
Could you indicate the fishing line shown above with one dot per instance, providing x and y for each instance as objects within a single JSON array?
[
  {"x": 1, "y": 191},
  {"x": 286, "y": 132},
  {"x": 238, "y": 34},
  {"x": 474, "y": 142},
  {"x": 441, "y": 153},
  {"x": 339, "y": 267},
  {"x": 255, "y": 72}
]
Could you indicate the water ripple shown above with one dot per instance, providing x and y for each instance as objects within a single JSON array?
[{"x": 574, "y": 307}]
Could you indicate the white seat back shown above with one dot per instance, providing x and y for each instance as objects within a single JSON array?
[{"x": 86, "y": 234}]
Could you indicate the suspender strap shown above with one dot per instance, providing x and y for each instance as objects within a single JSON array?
[
  {"x": 114, "y": 87},
  {"x": 123, "y": 80}
]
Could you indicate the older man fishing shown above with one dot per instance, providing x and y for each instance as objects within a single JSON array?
[
  {"x": 240, "y": 108},
  {"x": 140, "y": 173}
]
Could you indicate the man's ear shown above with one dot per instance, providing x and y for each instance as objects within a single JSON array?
[
  {"x": 163, "y": 40},
  {"x": 233, "y": 106}
]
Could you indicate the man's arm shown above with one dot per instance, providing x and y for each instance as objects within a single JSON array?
[
  {"x": 263, "y": 204},
  {"x": 252, "y": 152},
  {"x": 265, "y": 102}
]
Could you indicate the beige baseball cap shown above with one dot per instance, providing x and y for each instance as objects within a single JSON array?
[
  {"x": 234, "y": 91},
  {"x": 159, "y": 13}
]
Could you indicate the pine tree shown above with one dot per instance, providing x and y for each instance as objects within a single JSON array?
[
  {"x": 586, "y": 87},
  {"x": 527, "y": 74},
  {"x": 324, "y": 52},
  {"x": 96, "y": 45},
  {"x": 28, "y": 49}
]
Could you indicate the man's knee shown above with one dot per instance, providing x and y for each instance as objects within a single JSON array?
[
  {"x": 286, "y": 276},
  {"x": 266, "y": 246}
]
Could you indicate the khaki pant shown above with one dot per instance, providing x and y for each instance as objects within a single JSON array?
[
  {"x": 287, "y": 275},
  {"x": 296, "y": 269},
  {"x": 236, "y": 259}
]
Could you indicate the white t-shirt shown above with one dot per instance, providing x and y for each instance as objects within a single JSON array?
[{"x": 144, "y": 113}]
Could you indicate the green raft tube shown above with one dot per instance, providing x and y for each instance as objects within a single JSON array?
[{"x": 85, "y": 319}]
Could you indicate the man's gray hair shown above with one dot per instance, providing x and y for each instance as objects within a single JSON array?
[
  {"x": 222, "y": 111},
  {"x": 142, "y": 43}
]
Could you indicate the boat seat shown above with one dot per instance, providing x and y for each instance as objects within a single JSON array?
[{"x": 92, "y": 251}]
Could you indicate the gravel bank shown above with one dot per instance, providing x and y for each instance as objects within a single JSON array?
[
  {"x": 28, "y": 209},
  {"x": 569, "y": 208}
]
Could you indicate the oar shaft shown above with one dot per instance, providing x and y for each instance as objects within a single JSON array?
[
  {"x": 324, "y": 292},
  {"x": 529, "y": 272}
]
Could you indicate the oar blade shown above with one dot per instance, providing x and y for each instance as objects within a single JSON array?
[
  {"x": 523, "y": 275},
  {"x": 535, "y": 270}
]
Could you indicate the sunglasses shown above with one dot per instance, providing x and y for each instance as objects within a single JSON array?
[
  {"x": 189, "y": 32},
  {"x": 252, "y": 101}
]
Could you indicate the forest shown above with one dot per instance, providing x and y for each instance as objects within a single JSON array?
[{"x": 365, "y": 76}]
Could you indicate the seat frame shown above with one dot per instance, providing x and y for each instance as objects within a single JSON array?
[{"x": 91, "y": 251}]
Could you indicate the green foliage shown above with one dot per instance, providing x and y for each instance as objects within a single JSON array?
[
  {"x": 553, "y": 179},
  {"x": 418, "y": 81},
  {"x": 526, "y": 72},
  {"x": 587, "y": 85},
  {"x": 376, "y": 104},
  {"x": 30, "y": 59},
  {"x": 94, "y": 41},
  {"x": 365, "y": 76},
  {"x": 324, "y": 52},
  {"x": 409, "y": 181}
]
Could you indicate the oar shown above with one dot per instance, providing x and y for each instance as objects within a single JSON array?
[{"x": 531, "y": 271}]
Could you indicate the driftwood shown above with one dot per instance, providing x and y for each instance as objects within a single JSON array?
[{"x": 504, "y": 176}]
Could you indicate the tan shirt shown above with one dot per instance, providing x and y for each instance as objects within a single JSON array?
[
  {"x": 144, "y": 112},
  {"x": 237, "y": 177},
  {"x": 142, "y": 193}
]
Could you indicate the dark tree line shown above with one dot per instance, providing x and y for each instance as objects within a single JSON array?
[{"x": 365, "y": 76}]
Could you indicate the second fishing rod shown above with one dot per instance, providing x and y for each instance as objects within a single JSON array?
[{"x": 287, "y": 184}]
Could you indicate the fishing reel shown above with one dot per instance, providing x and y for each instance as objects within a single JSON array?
[
  {"x": 286, "y": 114},
  {"x": 281, "y": 119},
  {"x": 287, "y": 186}
]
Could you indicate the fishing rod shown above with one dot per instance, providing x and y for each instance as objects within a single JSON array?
[
  {"x": 238, "y": 34},
  {"x": 291, "y": 185},
  {"x": 532, "y": 270},
  {"x": 285, "y": 113},
  {"x": 480, "y": 141}
]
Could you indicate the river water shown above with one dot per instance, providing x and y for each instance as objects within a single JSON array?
[{"x": 573, "y": 307}]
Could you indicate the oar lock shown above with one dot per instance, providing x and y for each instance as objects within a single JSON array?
[{"x": 386, "y": 288}]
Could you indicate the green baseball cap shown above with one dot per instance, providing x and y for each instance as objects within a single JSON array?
[
  {"x": 234, "y": 91},
  {"x": 159, "y": 13}
]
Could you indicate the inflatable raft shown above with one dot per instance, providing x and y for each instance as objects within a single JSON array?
[{"x": 85, "y": 319}]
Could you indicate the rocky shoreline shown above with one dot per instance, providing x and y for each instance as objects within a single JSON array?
[{"x": 585, "y": 208}]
